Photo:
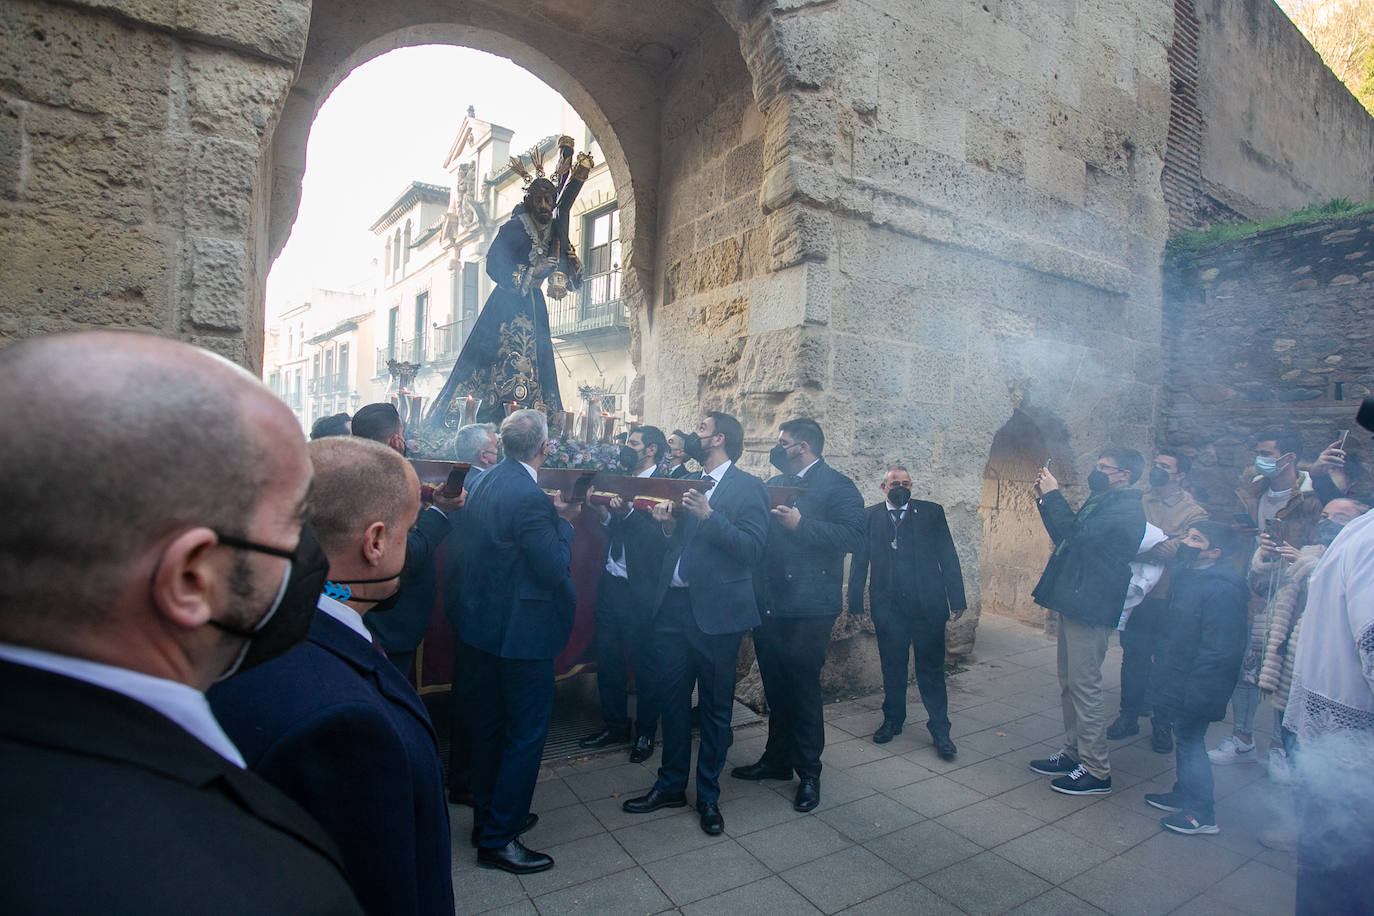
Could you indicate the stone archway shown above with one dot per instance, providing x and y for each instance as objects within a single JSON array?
[
  {"x": 1015, "y": 545},
  {"x": 644, "y": 83}
]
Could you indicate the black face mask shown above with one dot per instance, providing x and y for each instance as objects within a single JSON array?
[
  {"x": 779, "y": 459},
  {"x": 287, "y": 621},
  {"x": 692, "y": 448},
  {"x": 1327, "y": 529},
  {"x": 899, "y": 496},
  {"x": 1187, "y": 554},
  {"x": 339, "y": 590},
  {"x": 629, "y": 458},
  {"x": 1099, "y": 482},
  {"x": 1159, "y": 477}
]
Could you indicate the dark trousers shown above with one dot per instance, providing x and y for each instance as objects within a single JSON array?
[
  {"x": 901, "y": 636},
  {"x": 791, "y": 653},
  {"x": 687, "y": 656},
  {"x": 462, "y": 716},
  {"x": 1192, "y": 769},
  {"x": 1139, "y": 642},
  {"x": 513, "y": 702},
  {"x": 624, "y": 633}
]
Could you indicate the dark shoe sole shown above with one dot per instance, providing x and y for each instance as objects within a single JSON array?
[
  {"x": 1104, "y": 790},
  {"x": 1049, "y": 772},
  {"x": 674, "y": 803},
  {"x": 514, "y": 869},
  {"x": 760, "y": 775},
  {"x": 1172, "y": 809},
  {"x": 637, "y": 757}
]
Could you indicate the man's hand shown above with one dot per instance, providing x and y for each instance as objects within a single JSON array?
[
  {"x": 663, "y": 514},
  {"x": 603, "y": 513},
  {"x": 788, "y": 516},
  {"x": 447, "y": 504},
  {"x": 695, "y": 502},
  {"x": 1288, "y": 552},
  {"x": 1045, "y": 482},
  {"x": 1331, "y": 459},
  {"x": 566, "y": 511},
  {"x": 542, "y": 269},
  {"x": 619, "y": 507},
  {"x": 1269, "y": 548}
]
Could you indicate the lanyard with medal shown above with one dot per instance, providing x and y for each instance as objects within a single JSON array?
[{"x": 896, "y": 525}]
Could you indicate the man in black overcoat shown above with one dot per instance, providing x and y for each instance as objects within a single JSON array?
[
  {"x": 151, "y": 541},
  {"x": 915, "y": 587},
  {"x": 800, "y": 596}
]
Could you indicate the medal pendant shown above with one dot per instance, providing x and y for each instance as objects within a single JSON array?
[{"x": 894, "y": 543}]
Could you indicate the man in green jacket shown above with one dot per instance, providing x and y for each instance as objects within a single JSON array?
[{"x": 1085, "y": 582}]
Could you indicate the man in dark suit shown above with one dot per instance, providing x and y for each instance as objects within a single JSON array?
[
  {"x": 332, "y": 724},
  {"x": 399, "y": 632},
  {"x": 914, "y": 588},
  {"x": 151, "y": 543},
  {"x": 624, "y": 595},
  {"x": 704, "y": 603},
  {"x": 517, "y": 612},
  {"x": 803, "y": 578}
]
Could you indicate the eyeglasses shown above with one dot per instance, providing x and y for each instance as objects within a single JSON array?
[{"x": 1107, "y": 468}]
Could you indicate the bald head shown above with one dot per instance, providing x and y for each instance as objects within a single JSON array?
[
  {"x": 115, "y": 441},
  {"x": 358, "y": 482}
]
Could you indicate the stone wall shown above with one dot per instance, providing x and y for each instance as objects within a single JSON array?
[
  {"x": 1271, "y": 331},
  {"x": 132, "y": 189},
  {"x": 1279, "y": 131}
]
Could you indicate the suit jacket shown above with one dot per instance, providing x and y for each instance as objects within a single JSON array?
[
  {"x": 804, "y": 569},
  {"x": 336, "y": 727},
  {"x": 401, "y": 628},
  {"x": 110, "y": 807},
  {"x": 723, "y": 551},
  {"x": 516, "y": 596},
  {"x": 921, "y": 577},
  {"x": 1088, "y": 574},
  {"x": 644, "y": 546}
]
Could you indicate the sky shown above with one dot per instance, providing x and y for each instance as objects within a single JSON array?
[{"x": 391, "y": 122}]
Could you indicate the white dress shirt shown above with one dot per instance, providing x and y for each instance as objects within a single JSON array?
[
  {"x": 616, "y": 565},
  {"x": 716, "y": 475},
  {"x": 182, "y": 703},
  {"x": 344, "y": 615}
]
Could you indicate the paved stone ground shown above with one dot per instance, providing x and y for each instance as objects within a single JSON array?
[{"x": 899, "y": 830}]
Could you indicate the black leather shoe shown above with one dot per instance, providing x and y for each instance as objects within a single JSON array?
[
  {"x": 530, "y": 820},
  {"x": 514, "y": 858},
  {"x": 761, "y": 770},
  {"x": 886, "y": 732},
  {"x": 808, "y": 794},
  {"x": 1124, "y": 727},
  {"x": 603, "y": 738},
  {"x": 945, "y": 748},
  {"x": 1162, "y": 739},
  {"x": 643, "y": 749},
  {"x": 653, "y": 801},
  {"x": 712, "y": 823}
]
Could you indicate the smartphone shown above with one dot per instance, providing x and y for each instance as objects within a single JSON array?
[
  {"x": 1343, "y": 434},
  {"x": 1048, "y": 461},
  {"x": 1274, "y": 529},
  {"x": 1240, "y": 518}
]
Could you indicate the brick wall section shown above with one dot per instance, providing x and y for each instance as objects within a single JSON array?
[{"x": 1261, "y": 333}]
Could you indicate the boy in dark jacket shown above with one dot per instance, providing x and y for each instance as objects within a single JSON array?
[{"x": 1205, "y": 635}]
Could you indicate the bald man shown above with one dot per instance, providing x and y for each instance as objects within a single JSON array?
[
  {"x": 151, "y": 542},
  {"x": 333, "y": 724}
]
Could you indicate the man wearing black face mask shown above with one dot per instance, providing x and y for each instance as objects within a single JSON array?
[
  {"x": 332, "y": 724},
  {"x": 132, "y": 585},
  {"x": 1085, "y": 582},
  {"x": 623, "y": 619},
  {"x": 800, "y": 597},
  {"x": 915, "y": 588},
  {"x": 1171, "y": 509}
]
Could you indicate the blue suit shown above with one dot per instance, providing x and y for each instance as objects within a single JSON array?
[
  {"x": 697, "y": 629},
  {"x": 334, "y": 726},
  {"x": 516, "y": 613}
]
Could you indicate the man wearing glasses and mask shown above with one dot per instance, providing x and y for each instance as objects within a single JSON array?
[
  {"x": 152, "y": 543},
  {"x": 1085, "y": 582}
]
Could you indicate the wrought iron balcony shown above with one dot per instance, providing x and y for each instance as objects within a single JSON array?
[{"x": 597, "y": 307}]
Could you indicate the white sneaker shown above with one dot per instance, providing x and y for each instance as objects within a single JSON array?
[
  {"x": 1232, "y": 751},
  {"x": 1278, "y": 767}
]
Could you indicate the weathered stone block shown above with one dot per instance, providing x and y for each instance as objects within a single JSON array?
[
  {"x": 108, "y": 179},
  {"x": 231, "y": 97},
  {"x": 217, "y": 281},
  {"x": 784, "y": 361},
  {"x": 993, "y": 147},
  {"x": 221, "y": 179},
  {"x": 799, "y": 233},
  {"x": 16, "y": 157},
  {"x": 808, "y": 46}
]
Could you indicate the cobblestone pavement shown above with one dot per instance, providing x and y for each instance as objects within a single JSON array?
[{"x": 899, "y": 830}]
